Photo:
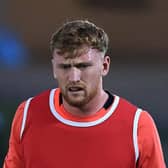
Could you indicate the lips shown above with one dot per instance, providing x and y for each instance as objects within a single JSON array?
[{"x": 75, "y": 89}]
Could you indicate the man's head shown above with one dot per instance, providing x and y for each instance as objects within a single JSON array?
[
  {"x": 79, "y": 61},
  {"x": 72, "y": 35}
]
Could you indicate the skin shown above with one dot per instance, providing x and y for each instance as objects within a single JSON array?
[{"x": 79, "y": 77}]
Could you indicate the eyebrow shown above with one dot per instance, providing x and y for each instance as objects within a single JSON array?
[{"x": 62, "y": 65}]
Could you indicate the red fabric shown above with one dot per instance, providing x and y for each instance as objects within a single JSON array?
[{"x": 49, "y": 143}]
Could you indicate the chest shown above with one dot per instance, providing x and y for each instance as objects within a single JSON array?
[{"x": 52, "y": 144}]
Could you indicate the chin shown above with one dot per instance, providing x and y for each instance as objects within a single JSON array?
[{"x": 76, "y": 103}]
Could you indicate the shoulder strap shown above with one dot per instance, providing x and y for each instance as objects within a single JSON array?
[
  {"x": 135, "y": 132},
  {"x": 24, "y": 117}
]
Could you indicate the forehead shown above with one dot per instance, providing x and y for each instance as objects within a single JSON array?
[{"x": 80, "y": 55}]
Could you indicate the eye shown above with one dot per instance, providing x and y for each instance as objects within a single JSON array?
[
  {"x": 64, "y": 66},
  {"x": 82, "y": 65}
]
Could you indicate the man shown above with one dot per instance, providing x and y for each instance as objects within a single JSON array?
[{"x": 79, "y": 124}]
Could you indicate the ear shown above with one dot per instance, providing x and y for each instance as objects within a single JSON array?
[
  {"x": 54, "y": 70},
  {"x": 106, "y": 65}
]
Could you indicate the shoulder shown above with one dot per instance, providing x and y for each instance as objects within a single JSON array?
[
  {"x": 41, "y": 97},
  {"x": 42, "y": 94},
  {"x": 125, "y": 107},
  {"x": 151, "y": 154},
  {"x": 125, "y": 102},
  {"x": 146, "y": 122},
  {"x": 146, "y": 127}
]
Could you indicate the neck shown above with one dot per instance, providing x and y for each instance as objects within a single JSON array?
[{"x": 90, "y": 108}]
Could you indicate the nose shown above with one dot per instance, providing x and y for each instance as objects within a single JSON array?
[{"x": 74, "y": 74}]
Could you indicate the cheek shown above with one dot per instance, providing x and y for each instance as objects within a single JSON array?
[
  {"x": 61, "y": 78},
  {"x": 92, "y": 76}
]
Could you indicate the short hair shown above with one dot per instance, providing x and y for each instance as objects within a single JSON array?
[{"x": 75, "y": 34}]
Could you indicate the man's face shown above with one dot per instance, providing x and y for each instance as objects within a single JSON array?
[{"x": 80, "y": 77}]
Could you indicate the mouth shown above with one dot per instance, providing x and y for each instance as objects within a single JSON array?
[{"x": 75, "y": 89}]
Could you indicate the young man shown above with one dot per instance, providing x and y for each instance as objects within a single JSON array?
[{"x": 79, "y": 124}]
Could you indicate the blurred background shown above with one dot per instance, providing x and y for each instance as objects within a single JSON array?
[{"x": 138, "y": 32}]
